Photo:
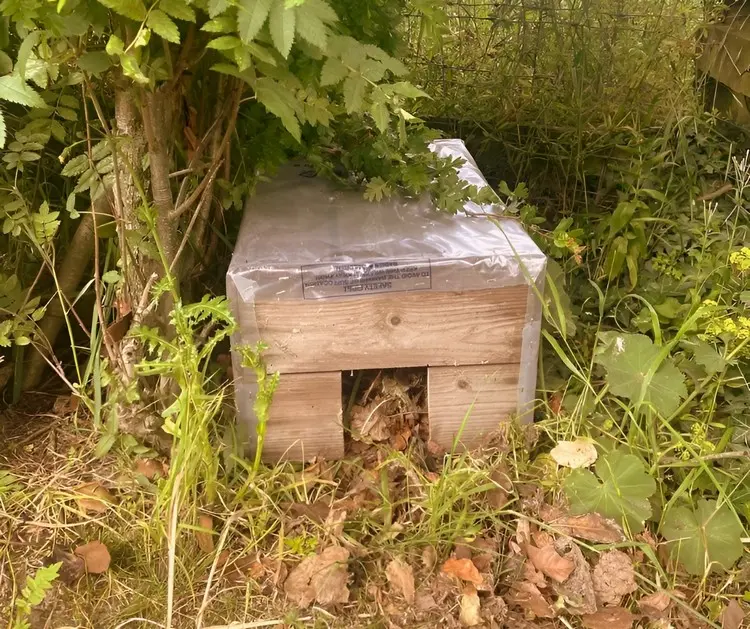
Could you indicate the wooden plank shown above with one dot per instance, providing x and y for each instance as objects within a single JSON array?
[
  {"x": 388, "y": 330},
  {"x": 493, "y": 389},
  {"x": 305, "y": 420}
]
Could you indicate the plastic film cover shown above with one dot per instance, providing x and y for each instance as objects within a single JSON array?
[{"x": 304, "y": 238}]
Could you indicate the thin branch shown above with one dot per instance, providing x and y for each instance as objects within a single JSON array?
[{"x": 190, "y": 201}]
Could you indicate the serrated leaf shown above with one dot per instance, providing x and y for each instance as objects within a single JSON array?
[
  {"x": 163, "y": 26},
  {"x": 706, "y": 355},
  {"x": 381, "y": 116},
  {"x": 312, "y": 17},
  {"x": 355, "y": 88},
  {"x": 704, "y": 539},
  {"x": 15, "y": 90},
  {"x": 24, "y": 52},
  {"x": 627, "y": 359},
  {"x": 406, "y": 89},
  {"x": 94, "y": 62},
  {"x": 134, "y": 9},
  {"x": 70, "y": 205},
  {"x": 217, "y": 7},
  {"x": 281, "y": 24},
  {"x": 275, "y": 98},
  {"x": 225, "y": 42},
  {"x": 223, "y": 24},
  {"x": 251, "y": 16},
  {"x": 178, "y": 9},
  {"x": 620, "y": 492},
  {"x": 3, "y": 131},
  {"x": 260, "y": 52},
  {"x": 333, "y": 72}
]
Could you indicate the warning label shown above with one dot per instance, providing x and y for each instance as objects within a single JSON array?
[{"x": 338, "y": 280}]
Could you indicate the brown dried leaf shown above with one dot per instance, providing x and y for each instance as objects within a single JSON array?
[
  {"x": 470, "y": 607},
  {"x": 72, "y": 568},
  {"x": 578, "y": 590},
  {"x": 205, "y": 538},
  {"x": 425, "y": 602},
  {"x": 401, "y": 577},
  {"x": 609, "y": 618},
  {"x": 370, "y": 422},
  {"x": 732, "y": 616},
  {"x": 548, "y": 561},
  {"x": 528, "y": 597},
  {"x": 613, "y": 577},
  {"x": 151, "y": 468},
  {"x": 429, "y": 557},
  {"x": 523, "y": 531},
  {"x": 95, "y": 557},
  {"x": 591, "y": 526},
  {"x": 498, "y": 497},
  {"x": 574, "y": 454},
  {"x": 322, "y": 578},
  {"x": 655, "y": 605},
  {"x": 434, "y": 448},
  {"x": 95, "y": 498},
  {"x": 463, "y": 569},
  {"x": 532, "y": 575}
]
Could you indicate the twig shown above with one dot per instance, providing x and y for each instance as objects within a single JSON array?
[
  {"x": 188, "y": 203},
  {"x": 709, "y": 196}
]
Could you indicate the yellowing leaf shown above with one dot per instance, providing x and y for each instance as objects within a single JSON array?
[
  {"x": 251, "y": 16},
  {"x": 574, "y": 454},
  {"x": 163, "y": 26},
  {"x": 281, "y": 24}
]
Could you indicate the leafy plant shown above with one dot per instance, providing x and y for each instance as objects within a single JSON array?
[
  {"x": 620, "y": 489},
  {"x": 704, "y": 538},
  {"x": 33, "y": 593}
]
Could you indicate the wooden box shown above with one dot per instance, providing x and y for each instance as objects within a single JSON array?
[{"x": 333, "y": 283}]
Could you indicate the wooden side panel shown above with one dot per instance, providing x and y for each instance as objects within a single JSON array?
[
  {"x": 451, "y": 391},
  {"x": 408, "y": 329},
  {"x": 305, "y": 419}
]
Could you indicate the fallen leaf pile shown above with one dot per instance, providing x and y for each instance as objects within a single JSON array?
[{"x": 321, "y": 579}]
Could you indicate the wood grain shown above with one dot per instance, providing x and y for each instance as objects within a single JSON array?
[
  {"x": 305, "y": 420},
  {"x": 408, "y": 329},
  {"x": 451, "y": 391}
]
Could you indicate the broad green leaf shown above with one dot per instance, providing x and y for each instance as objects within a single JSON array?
[
  {"x": 627, "y": 359},
  {"x": 134, "y": 9},
  {"x": 163, "y": 26},
  {"x": 355, "y": 87},
  {"x": 312, "y": 18},
  {"x": 2, "y": 130},
  {"x": 704, "y": 539},
  {"x": 178, "y": 9},
  {"x": 621, "y": 490},
  {"x": 115, "y": 46},
  {"x": 131, "y": 68},
  {"x": 225, "y": 42},
  {"x": 281, "y": 24},
  {"x": 15, "y": 90},
  {"x": 260, "y": 52},
  {"x": 251, "y": 16},
  {"x": 94, "y": 62},
  {"x": 275, "y": 98},
  {"x": 333, "y": 72},
  {"x": 217, "y": 7},
  {"x": 142, "y": 37},
  {"x": 381, "y": 116}
]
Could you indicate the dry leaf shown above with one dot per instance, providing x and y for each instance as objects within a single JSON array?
[
  {"x": 548, "y": 561},
  {"x": 370, "y": 422},
  {"x": 532, "y": 575},
  {"x": 401, "y": 577},
  {"x": 590, "y": 526},
  {"x": 732, "y": 616},
  {"x": 65, "y": 404},
  {"x": 609, "y": 618},
  {"x": 528, "y": 597},
  {"x": 429, "y": 557},
  {"x": 655, "y": 605},
  {"x": 425, "y": 602},
  {"x": 464, "y": 569},
  {"x": 498, "y": 497},
  {"x": 95, "y": 498},
  {"x": 574, "y": 454},
  {"x": 523, "y": 531},
  {"x": 613, "y": 577},
  {"x": 205, "y": 538},
  {"x": 95, "y": 557},
  {"x": 578, "y": 590},
  {"x": 322, "y": 578},
  {"x": 72, "y": 566},
  {"x": 470, "y": 607},
  {"x": 151, "y": 468}
]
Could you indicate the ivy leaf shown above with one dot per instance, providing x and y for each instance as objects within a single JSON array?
[
  {"x": 275, "y": 98},
  {"x": 381, "y": 116},
  {"x": 15, "y": 90},
  {"x": 217, "y": 7},
  {"x": 627, "y": 359},
  {"x": 178, "y": 9},
  {"x": 281, "y": 24},
  {"x": 163, "y": 26},
  {"x": 2, "y": 130},
  {"x": 251, "y": 16},
  {"x": 703, "y": 539},
  {"x": 333, "y": 72},
  {"x": 312, "y": 18},
  {"x": 94, "y": 62},
  {"x": 355, "y": 87},
  {"x": 621, "y": 490},
  {"x": 134, "y": 9}
]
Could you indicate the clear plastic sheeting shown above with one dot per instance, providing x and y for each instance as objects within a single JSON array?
[{"x": 304, "y": 238}]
